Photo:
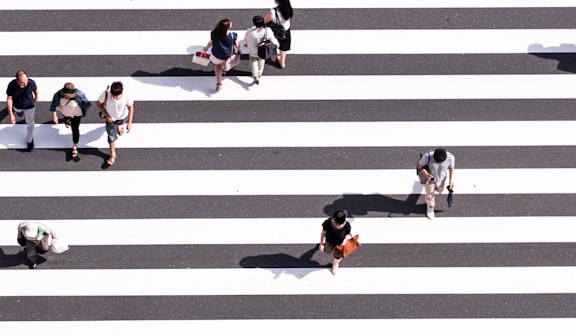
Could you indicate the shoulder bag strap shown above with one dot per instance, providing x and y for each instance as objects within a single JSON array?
[{"x": 277, "y": 18}]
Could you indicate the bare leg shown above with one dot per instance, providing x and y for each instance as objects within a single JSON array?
[
  {"x": 282, "y": 59},
  {"x": 112, "y": 160},
  {"x": 218, "y": 72},
  {"x": 335, "y": 265}
]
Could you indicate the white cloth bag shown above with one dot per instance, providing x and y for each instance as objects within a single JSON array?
[{"x": 58, "y": 246}]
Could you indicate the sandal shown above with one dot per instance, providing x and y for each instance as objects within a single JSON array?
[
  {"x": 74, "y": 152},
  {"x": 218, "y": 87},
  {"x": 111, "y": 161}
]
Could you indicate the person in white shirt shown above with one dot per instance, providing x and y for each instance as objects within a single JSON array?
[
  {"x": 255, "y": 35},
  {"x": 117, "y": 107}
]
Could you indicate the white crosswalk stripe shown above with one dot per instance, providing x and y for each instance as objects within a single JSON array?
[
  {"x": 472, "y": 270},
  {"x": 278, "y": 134},
  {"x": 399, "y": 41}
]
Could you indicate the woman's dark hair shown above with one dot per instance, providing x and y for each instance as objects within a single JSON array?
[
  {"x": 221, "y": 29},
  {"x": 116, "y": 88},
  {"x": 258, "y": 21},
  {"x": 285, "y": 9}
]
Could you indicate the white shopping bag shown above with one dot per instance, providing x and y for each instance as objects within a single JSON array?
[
  {"x": 201, "y": 58},
  {"x": 58, "y": 246}
]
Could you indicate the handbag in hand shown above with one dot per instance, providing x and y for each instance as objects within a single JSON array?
[
  {"x": 201, "y": 58},
  {"x": 235, "y": 58},
  {"x": 351, "y": 245},
  {"x": 232, "y": 61},
  {"x": 277, "y": 28},
  {"x": 423, "y": 178},
  {"x": 100, "y": 114}
]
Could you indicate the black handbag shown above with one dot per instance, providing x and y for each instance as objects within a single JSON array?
[
  {"x": 267, "y": 49},
  {"x": 277, "y": 29}
]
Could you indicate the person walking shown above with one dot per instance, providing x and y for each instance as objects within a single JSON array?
[
  {"x": 222, "y": 42},
  {"x": 335, "y": 231},
  {"x": 440, "y": 166},
  {"x": 22, "y": 96},
  {"x": 117, "y": 107},
  {"x": 282, "y": 14},
  {"x": 73, "y": 105},
  {"x": 255, "y": 35},
  {"x": 35, "y": 237}
]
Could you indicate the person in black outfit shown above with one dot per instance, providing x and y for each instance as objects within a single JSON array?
[
  {"x": 335, "y": 231},
  {"x": 22, "y": 95}
]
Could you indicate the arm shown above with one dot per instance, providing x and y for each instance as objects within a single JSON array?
[
  {"x": 130, "y": 116},
  {"x": 238, "y": 47},
  {"x": 36, "y": 97},
  {"x": 82, "y": 100},
  {"x": 451, "y": 172},
  {"x": 207, "y": 46},
  {"x": 426, "y": 172},
  {"x": 53, "y": 107},
  {"x": 102, "y": 109},
  {"x": 9, "y": 108},
  {"x": 322, "y": 237},
  {"x": 268, "y": 17}
]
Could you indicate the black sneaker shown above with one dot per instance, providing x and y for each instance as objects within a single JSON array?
[
  {"x": 31, "y": 145},
  {"x": 32, "y": 265}
]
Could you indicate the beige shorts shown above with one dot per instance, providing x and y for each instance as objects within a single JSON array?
[{"x": 216, "y": 60}]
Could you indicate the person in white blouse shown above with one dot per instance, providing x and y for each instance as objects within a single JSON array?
[{"x": 254, "y": 36}]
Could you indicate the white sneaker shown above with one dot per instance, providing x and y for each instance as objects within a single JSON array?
[{"x": 430, "y": 212}]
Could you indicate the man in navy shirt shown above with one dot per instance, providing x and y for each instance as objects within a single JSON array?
[{"x": 22, "y": 96}]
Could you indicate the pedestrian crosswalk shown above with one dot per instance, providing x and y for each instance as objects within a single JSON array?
[{"x": 209, "y": 220}]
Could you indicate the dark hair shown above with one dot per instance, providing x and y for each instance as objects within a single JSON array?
[
  {"x": 258, "y": 21},
  {"x": 20, "y": 73},
  {"x": 285, "y": 9},
  {"x": 221, "y": 29},
  {"x": 440, "y": 155},
  {"x": 68, "y": 89},
  {"x": 116, "y": 88},
  {"x": 339, "y": 217}
]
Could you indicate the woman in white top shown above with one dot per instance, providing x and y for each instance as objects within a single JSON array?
[
  {"x": 282, "y": 14},
  {"x": 255, "y": 35}
]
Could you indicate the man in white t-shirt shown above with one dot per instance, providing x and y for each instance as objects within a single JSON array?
[
  {"x": 118, "y": 108},
  {"x": 437, "y": 166}
]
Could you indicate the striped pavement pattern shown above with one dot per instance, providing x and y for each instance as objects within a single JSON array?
[{"x": 210, "y": 218}]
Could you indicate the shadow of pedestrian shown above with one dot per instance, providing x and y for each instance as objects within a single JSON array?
[
  {"x": 12, "y": 260},
  {"x": 362, "y": 205},
  {"x": 565, "y": 54},
  {"x": 280, "y": 263},
  {"x": 165, "y": 79}
]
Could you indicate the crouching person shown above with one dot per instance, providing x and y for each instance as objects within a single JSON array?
[{"x": 35, "y": 237}]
